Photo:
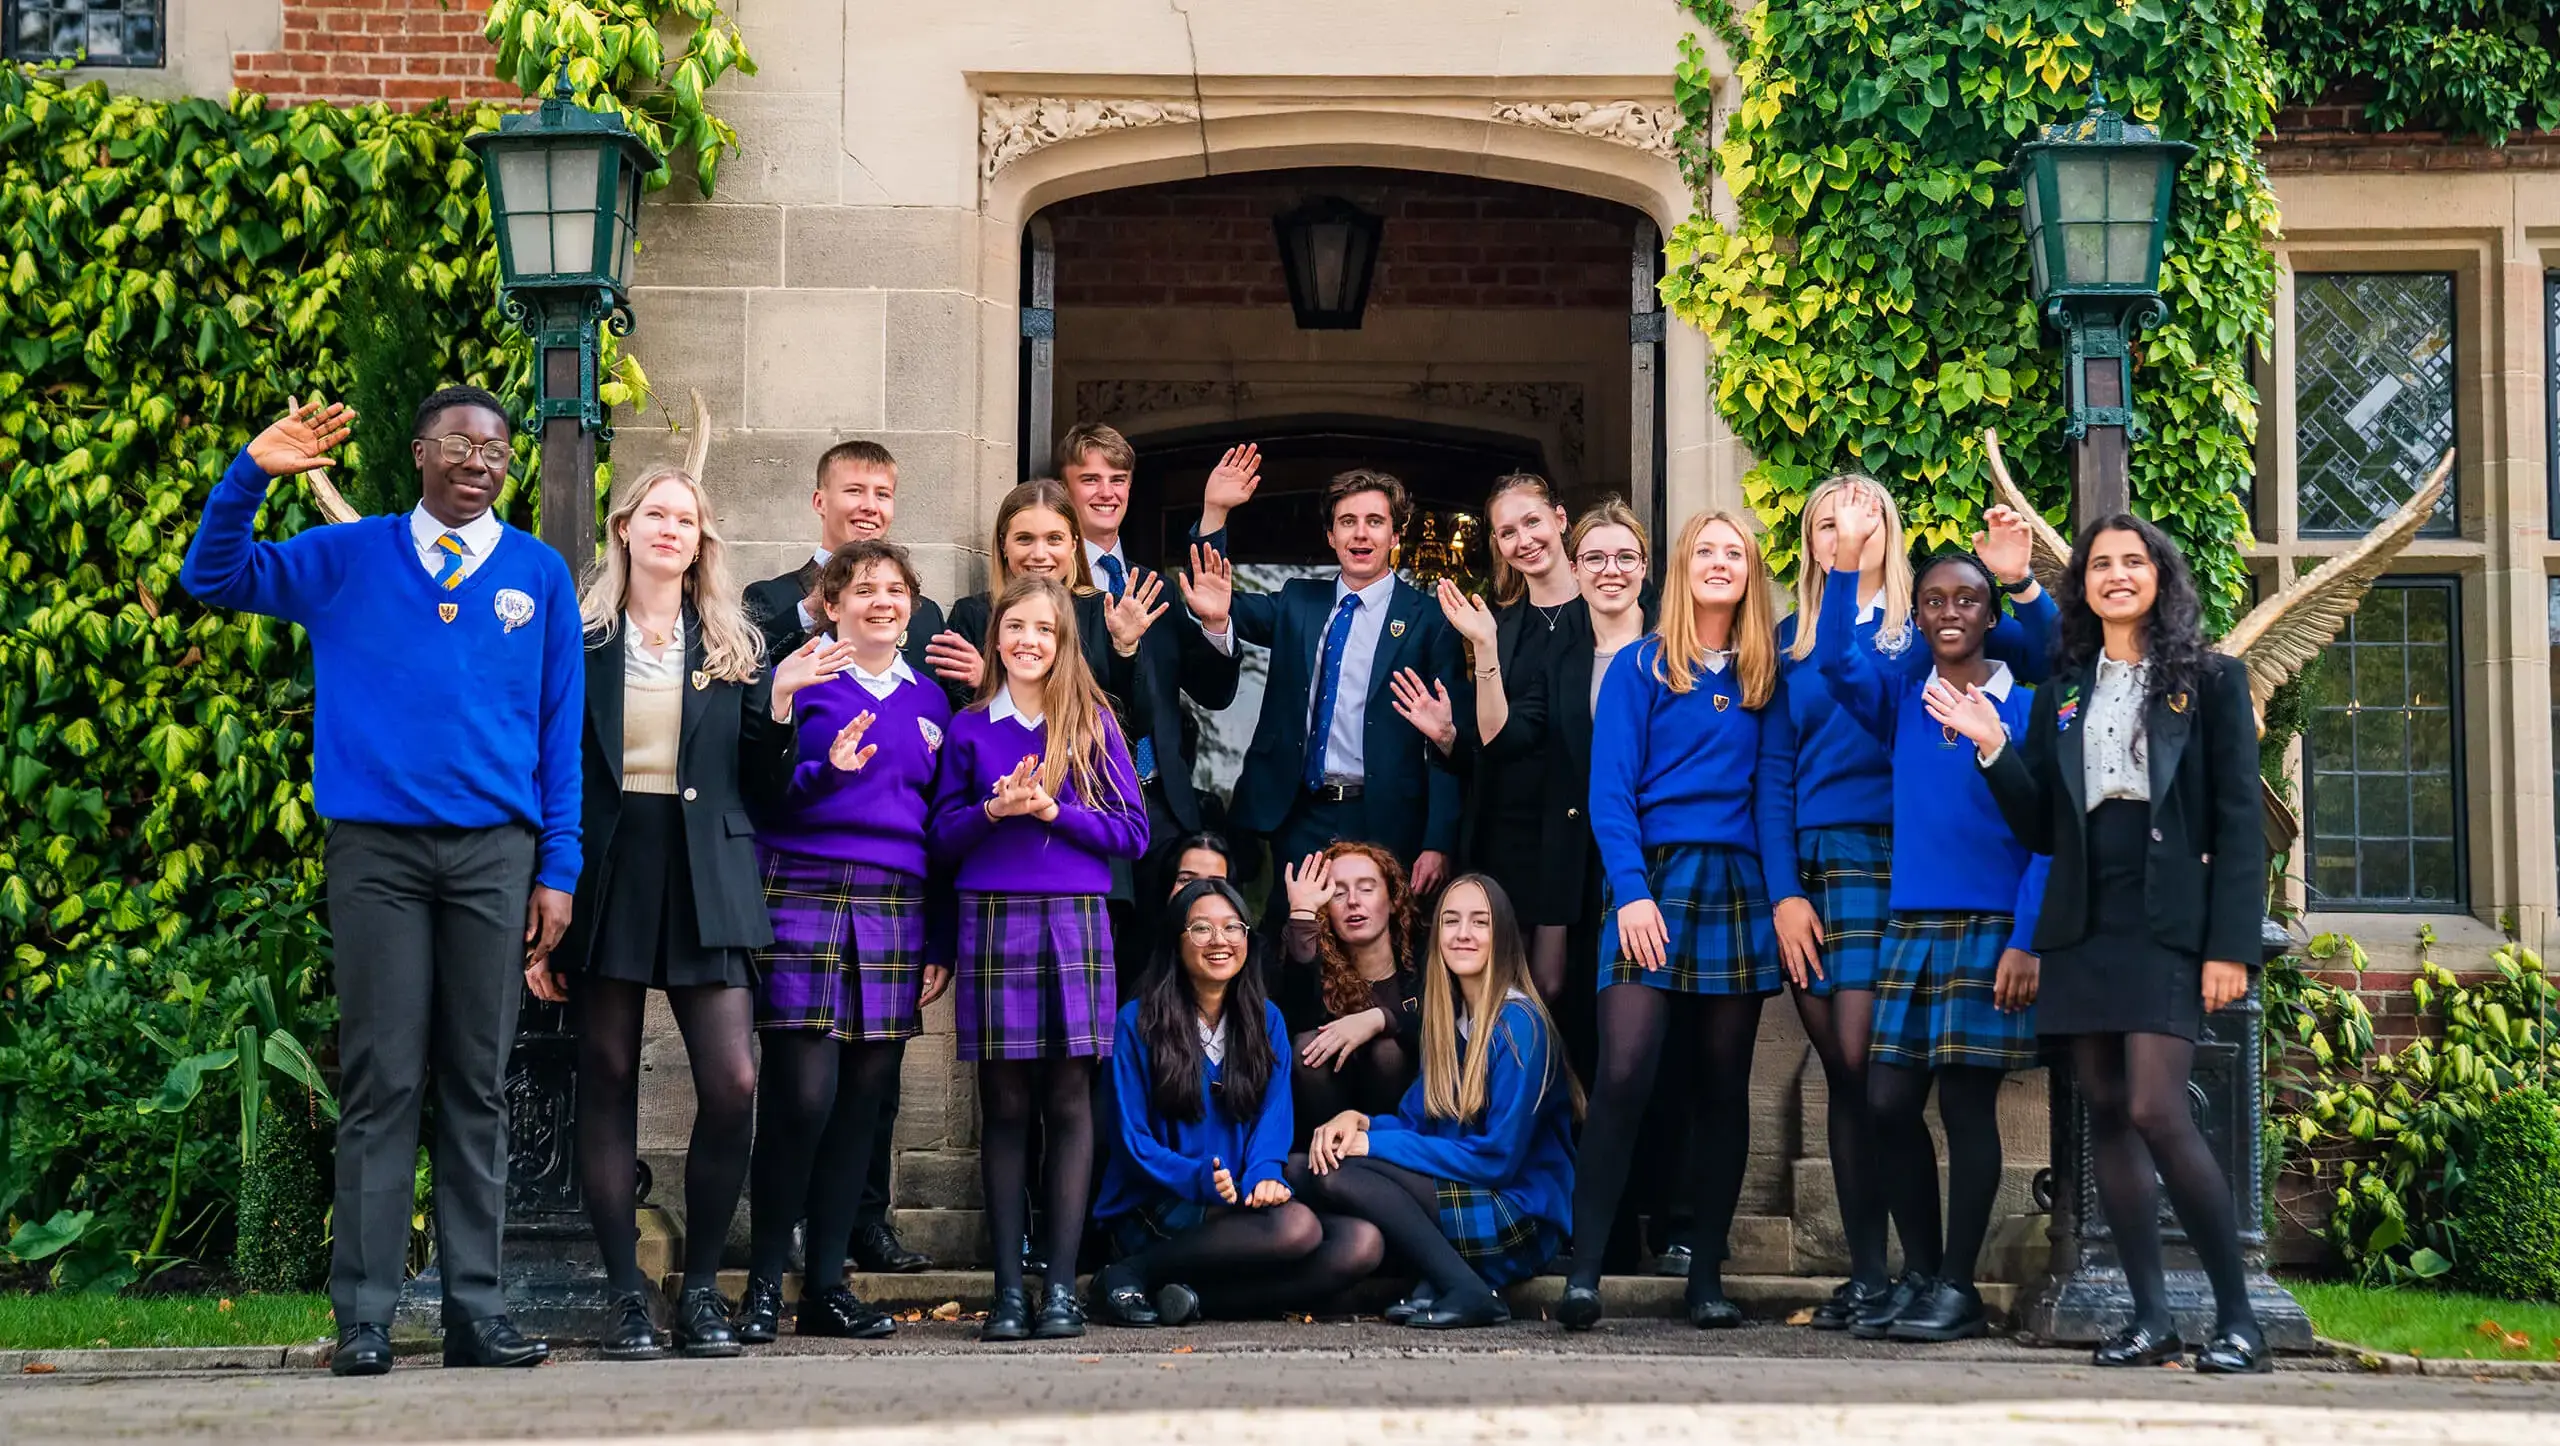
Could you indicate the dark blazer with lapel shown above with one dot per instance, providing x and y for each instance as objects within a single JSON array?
[
  {"x": 1173, "y": 659},
  {"x": 1407, "y": 804},
  {"x": 2205, "y": 884},
  {"x": 1117, "y": 675},
  {"x": 773, "y": 605},
  {"x": 730, "y": 751}
]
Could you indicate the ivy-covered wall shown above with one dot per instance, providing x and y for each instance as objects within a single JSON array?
[
  {"x": 2480, "y": 68},
  {"x": 1870, "y": 309}
]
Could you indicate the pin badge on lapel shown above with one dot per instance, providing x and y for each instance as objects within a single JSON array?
[
  {"x": 1396, "y": 629},
  {"x": 2177, "y": 702},
  {"x": 902, "y": 642},
  {"x": 701, "y": 680},
  {"x": 448, "y": 611}
]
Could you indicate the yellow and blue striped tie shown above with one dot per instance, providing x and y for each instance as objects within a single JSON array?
[{"x": 449, "y": 567}]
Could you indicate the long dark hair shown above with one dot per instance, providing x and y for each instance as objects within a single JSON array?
[
  {"x": 1169, "y": 1018},
  {"x": 2174, "y": 636}
]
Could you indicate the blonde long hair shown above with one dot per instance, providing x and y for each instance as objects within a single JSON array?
[
  {"x": 1607, "y": 512},
  {"x": 1455, "y": 1089},
  {"x": 1508, "y": 585},
  {"x": 1078, "y": 715},
  {"x": 1044, "y": 492},
  {"x": 1755, "y": 622},
  {"x": 1810, "y": 579},
  {"x": 732, "y": 648}
]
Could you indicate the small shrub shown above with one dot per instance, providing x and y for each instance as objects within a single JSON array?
[
  {"x": 2508, "y": 1223},
  {"x": 283, "y": 1243}
]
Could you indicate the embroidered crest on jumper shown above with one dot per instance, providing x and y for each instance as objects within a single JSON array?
[
  {"x": 932, "y": 735},
  {"x": 448, "y": 611},
  {"x": 515, "y": 609},
  {"x": 1722, "y": 702}
]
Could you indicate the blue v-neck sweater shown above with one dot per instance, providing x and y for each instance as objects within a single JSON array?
[
  {"x": 1150, "y": 1157},
  {"x": 421, "y": 720},
  {"x": 1953, "y": 852},
  {"x": 1825, "y": 771}
]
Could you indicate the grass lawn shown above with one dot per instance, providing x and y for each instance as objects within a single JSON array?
[
  {"x": 2440, "y": 1325},
  {"x": 53, "y": 1321}
]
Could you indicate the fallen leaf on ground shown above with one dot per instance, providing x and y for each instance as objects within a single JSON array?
[
  {"x": 2518, "y": 1340},
  {"x": 948, "y": 1310},
  {"x": 911, "y": 1316},
  {"x": 1803, "y": 1317},
  {"x": 226, "y": 1304},
  {"x": 38, "y": 1368},
  {"x": 1184, "y": 1350},
  {"x": 2490, "y": 1328},
  {"x": 1088, "y": 1360},
  {"x": 1165, "y": 1366},
  {"x": 100, "y": 1341}
]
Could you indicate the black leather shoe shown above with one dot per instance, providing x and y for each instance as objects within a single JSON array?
[
  {"x": 1177, "y": 1305},
  {"x": 1713, "y": 1312},
  {"x": 632, "y": 1335},
  {"x": 1061, "y": 1314},
  {"x": 1949, "y": 1312},
  {"x": 836, "y": 1313},
  {"x": 877, "y": 1248},
  {"x": 759, "y": 1317},
  {"x": 702, "y": 1325},
  {"x": 1119, "y": 1299},
  {"x": 1843, "y": 1307},
  {"x": 1580, "y": 1308},
  {"x": 1483, "y": 1310},
  {"x": 2139, "y": 1345},
  {"x": 1872, "y": 1323},
  {"x": 2234, "y": 1353},
  {"x": 1415, "y": 1302},
  {"x": 1011, "y": 1318},
  {"x": 364, "y": 1349},
  {"x": 492, "y": 1341},
  {"x": 1674, "y": 1260}
]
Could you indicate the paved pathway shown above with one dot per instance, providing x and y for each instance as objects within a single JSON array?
[{"x": 1275, "y": 1384}]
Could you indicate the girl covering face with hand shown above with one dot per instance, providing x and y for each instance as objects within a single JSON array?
[{"x": 1350, "y": 993}]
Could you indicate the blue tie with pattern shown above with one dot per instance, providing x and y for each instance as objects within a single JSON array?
[
  {"x": 1320, "y": 728},
  {"x": 1115, "y": 580},
  {"x": 449, "y": 555}
]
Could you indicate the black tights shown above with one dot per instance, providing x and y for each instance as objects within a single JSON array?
[
  {"x": 1006, "y": 1088},
  {"x": 1969, "y": 1108},
  {"x": 716, "y": 1023},
  {"x": 1719, "y": 1032},
  {"x": 820, "y": 1112},
  {"x": 1839, "y": 1024},
  {"x": 1373, "y": 1081},
  {"x": 1405, "y": 1207},
  {"x": 2142, "y": 1138},
  {"x": 1547, "y": 955},
  {"x": 1256, "y": 1262}
]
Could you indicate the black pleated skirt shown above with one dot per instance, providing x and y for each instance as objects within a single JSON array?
[
  {"x": 2120, "y": 979},
  {"x": 647, "y": 931}
]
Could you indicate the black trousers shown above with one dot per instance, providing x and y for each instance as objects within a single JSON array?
[{"x": 430, "y": 997}]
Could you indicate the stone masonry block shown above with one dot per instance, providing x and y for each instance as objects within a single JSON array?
[
  {"x": 932, "y": 362},
  {"x": 815, "y": 359},
  {"x": 937, "y": 1180},
  {"x": 709, "y": 244},
  {"x": 951, "y": 1237},
  {"x": 891, "y": 248},
  {"x": 789, "y": 146},
  {"x": 692, "y": 338}
]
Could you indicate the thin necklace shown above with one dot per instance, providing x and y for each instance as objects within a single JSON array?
[{"x": 1551, "y": 613}]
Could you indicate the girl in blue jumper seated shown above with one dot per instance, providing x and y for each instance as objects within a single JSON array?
[
  {"x": 1034, "y": 799},
  {"x": 1955, "y": 987},
  {"x": 1829, "y": 862},
  {"x": 1675, "y": 746},
  {"x": 1195, "y": 1195},
  {"x": 1470, "y": 1181}
]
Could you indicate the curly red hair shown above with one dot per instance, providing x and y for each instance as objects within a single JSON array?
[{"x": 1345, "y": 992}]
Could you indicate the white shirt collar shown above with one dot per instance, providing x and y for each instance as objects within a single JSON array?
[
  {"x": 820, "y": 556},
  {"x": 1872, "y": 608},
  {"x": 2109, "y": 667},
  {"x": 1466, "y": 1026},
  {"x": 2000, "y": 681},
  {"x": 1095, "y": 552},
  {"x": 479, "y": 535},
  {"x": 1375, "y": 595},
  {"x": 881, "y": 683},
  {"x": 1213, "y": 1039},
  {"x": 1001, "y": 708}
]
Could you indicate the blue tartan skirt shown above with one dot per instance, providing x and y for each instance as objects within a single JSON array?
[
  {"x": 1933, "y": 996},
  {"x": 848, "y": 949},
  {"x": 1847, "y": 872},
  {"x": 1495, "y": 1236},
  {"x": 1717, "y": 912},
  {"x": 1036, "y": 977}
]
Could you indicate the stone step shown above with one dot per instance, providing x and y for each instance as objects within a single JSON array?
[
  {"x": 1635, "y": 1296},
  {"x": 1819, "y": 1245}
]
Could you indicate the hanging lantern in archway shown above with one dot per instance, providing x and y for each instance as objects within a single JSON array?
[{"x": 1329, "y": 252}]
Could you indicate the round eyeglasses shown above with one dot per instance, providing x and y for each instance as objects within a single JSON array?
[
  {"x": 1201, "y": 931},
  {"x": 1611, "y": 562},
  {"x": 457, "y": 449}
]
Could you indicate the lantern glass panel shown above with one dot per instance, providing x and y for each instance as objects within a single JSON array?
[
  {"x": 2035, "y": 229},
  {"x": 2133, "y": 186},
  {"x": 1329, "y": 263},
  {"x": 524, "y": 191},
  {"x": 626, "y": 219},
  {"x": 2084, "y": 255},
  {"x": 2129, "y": 254},
  {"x": 2080, "y": 187}
]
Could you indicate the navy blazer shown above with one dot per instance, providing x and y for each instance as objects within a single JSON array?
[
  {"x": 1406, "y": 804},
  {"x": 1176, "y": 658}
]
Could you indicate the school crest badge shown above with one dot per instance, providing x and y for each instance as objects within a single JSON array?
[
  {"x": 448, "y": 611},
  {"x": 932, "y": 735},
  {"x": 701, "y": 680},
  {"x": 902, "y": 642},
  {"x": 1723, "y": 702},
  {"x": 1396, "y": 629},
  {"x": 515, "y": 609},
  {"x": 2177, "y": 702}
]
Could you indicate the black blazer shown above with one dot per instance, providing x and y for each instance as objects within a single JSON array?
[
  {"x": 1173, "y": 659},
  {"x": 773, "y": 605},
  {"x": 729, "y": 753},
  {"x": 2205, "y": 883}
]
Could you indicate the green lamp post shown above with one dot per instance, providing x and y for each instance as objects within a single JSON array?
[
  {"x": 564, "y": 196},
  {"x": 2098, "y": 192}
]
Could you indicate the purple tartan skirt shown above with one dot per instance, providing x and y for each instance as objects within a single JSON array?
[
  {"x": 1036, "y": 979},
  {"x": 848, "y": 949}
]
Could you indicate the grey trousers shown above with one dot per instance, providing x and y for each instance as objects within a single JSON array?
[{"x": 429, "y": 924}]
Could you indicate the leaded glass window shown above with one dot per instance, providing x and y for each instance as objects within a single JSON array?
[
  {"x": 2385, "y": 823},
  {"x": 94, "y": 32},
  {"x": 2373, "y": 395}
]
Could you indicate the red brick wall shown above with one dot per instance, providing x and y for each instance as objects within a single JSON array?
[
  {"x": 407, "y": 54},
  {"x": 2334, "y": 137},
  {"x": 1450, "y": 241}
]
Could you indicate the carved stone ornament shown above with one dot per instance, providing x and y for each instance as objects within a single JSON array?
[
  {"x": 1013, "y": 126},
  {"x": 1653, "y": 129}
]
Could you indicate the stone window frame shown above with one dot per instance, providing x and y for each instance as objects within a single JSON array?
[
  {"x": 2450, "y": 587},
  {"x": 12, "y": 11}
]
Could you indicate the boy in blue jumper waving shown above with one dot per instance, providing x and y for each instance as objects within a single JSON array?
[{"x": 450, "y": 692}]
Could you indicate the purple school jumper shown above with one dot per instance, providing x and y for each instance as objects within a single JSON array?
[
  {"x": 1035, "y": 962},
  {"x": 844, "y": 866}
]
